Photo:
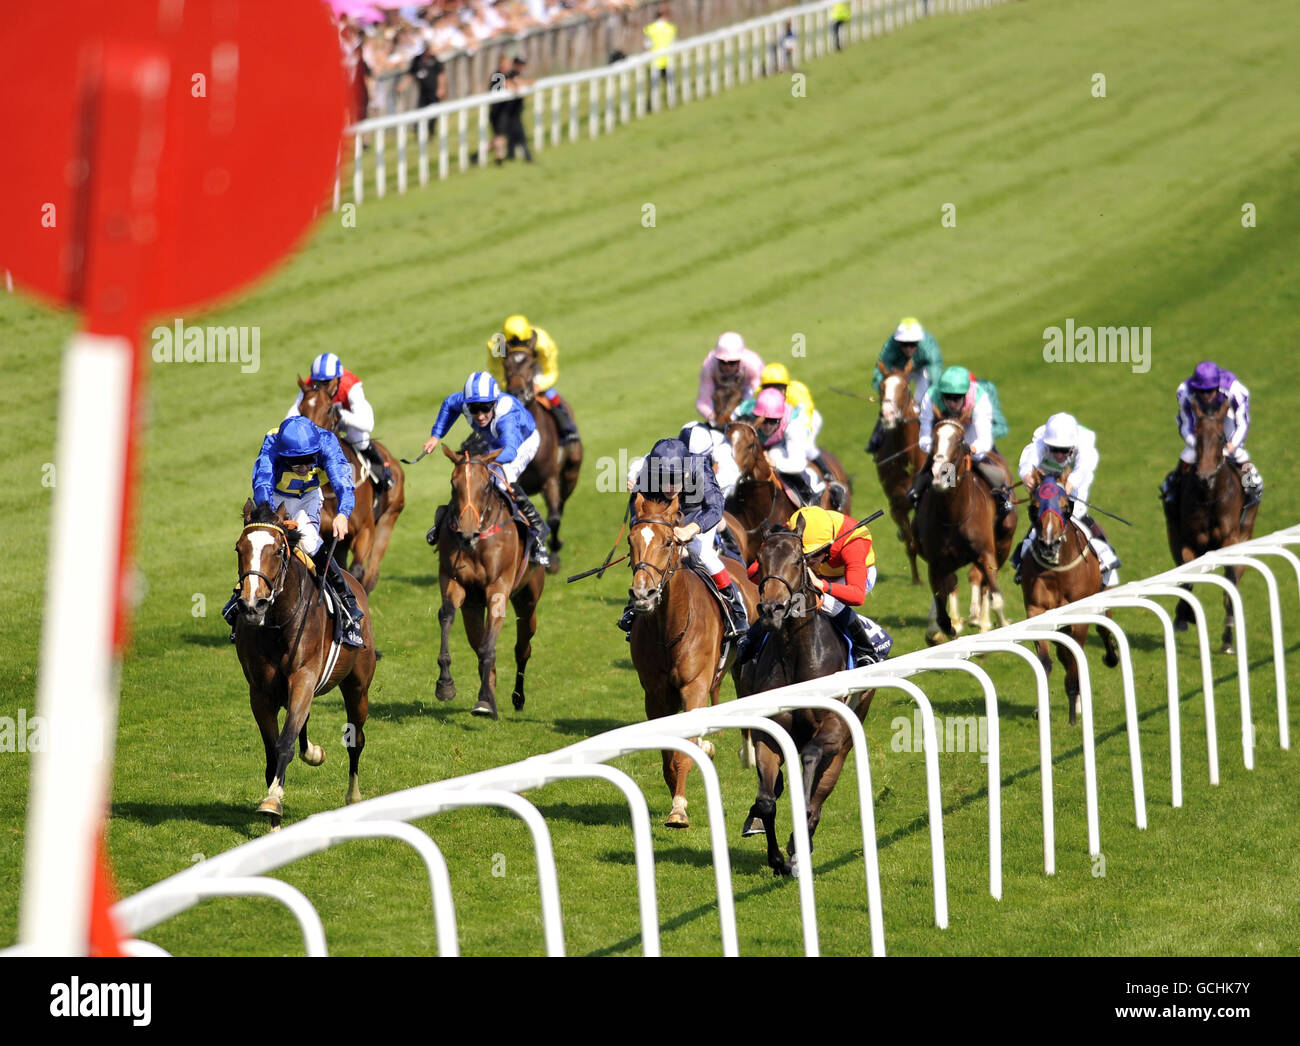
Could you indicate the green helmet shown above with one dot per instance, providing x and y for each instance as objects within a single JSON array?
[{"x": 954, "y": 381}]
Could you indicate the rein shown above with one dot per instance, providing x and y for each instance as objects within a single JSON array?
[{"x": 479, "y": 534}]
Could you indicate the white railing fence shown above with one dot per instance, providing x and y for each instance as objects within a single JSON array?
[
  {"x": 242, "y": 871},
  {"x": 606, "y": 97}
]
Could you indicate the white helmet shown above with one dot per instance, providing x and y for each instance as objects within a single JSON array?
[
  {"x": 730, "y": 347},
  {"x": 1061, "y": 431},
  {"x": 909, "y": 330}
]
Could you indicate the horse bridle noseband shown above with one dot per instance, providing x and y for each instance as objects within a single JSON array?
[
  {"x": 803, "y": 588},
  {"x": 479, "y": 534}
]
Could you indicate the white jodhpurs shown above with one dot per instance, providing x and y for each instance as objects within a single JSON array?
[
  {"x": 703, "y": 551},
  {"x": 527, "y": 451},
  {"x": 305, "y": 512}
]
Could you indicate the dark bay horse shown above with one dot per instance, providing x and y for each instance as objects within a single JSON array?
[
  {"x": 283, "y": 637},
  {"x": 370, "y": 527},
  {"x": 956, "y": 524},
  {"x": 677, "y": 635},
  {"x": 761, "y": 500},
  {"x": 899, "y": 457},
  {"x": 802, "y": 644},
  {"x": 553, "y": 472},
  {"x": 1211, "y": 511},
  {"x": 1061, "y": 567},
  {"x": 482, "y": 562}
]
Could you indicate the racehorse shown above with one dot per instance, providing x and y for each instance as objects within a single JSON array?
[
  {"x": 956, "y": 524},
  {"x": 370, "y": 527},
  {"x": 677, "y": 635},
  {"x": 802, "y": 644},
  {"x": 553, "y": 472},
  {"x": 1061, "y": 567},
  {"x": 284, "y": 639},
  {"x": 1211, "y": 512},
  {"x": 899, "y": 457},
  {"x": 482, "y": 561},
  {"x": 761, "y": 499}
]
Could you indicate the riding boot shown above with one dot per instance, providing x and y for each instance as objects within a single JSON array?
[
  {"x": 839, "y": 493},
  {"x": 629, "y": 616},
  {"x": 335, "y": 577},
  {"x": 798, "y": 483},
  {"x": 540, "y": 531},
  {"x": 1172, "y": 485},
  {"x": 920, "y": 484},
  {"x": 750, "y": 642},
  {"x": 230, "y": 611},
  {"x": 432, "y": 536},
  {"x": 1252, "y": 484},
  {"x": 739, "y": 623},
  {"x": 381, "y": 469},
  {"x": 877, "y": 436},
  {"x": 563, "y": 421},
  {"x": 868, "y": 648}
]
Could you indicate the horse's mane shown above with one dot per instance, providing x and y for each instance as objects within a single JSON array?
[
  {"x": 266, "y": 514},
  {"x": 476, "y": 445}
]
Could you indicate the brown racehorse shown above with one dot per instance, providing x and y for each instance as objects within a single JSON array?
[
  {"x": 482, "y": 561},
  {"x": 1061, "y": 567},
  {"x": 283, "y": 636},
  {"x": 370, "y": 527},
  {"x": 677, "y": 635},
  {"x": 761, "y": 499},
  {"x": 1210, "y": 510},
  {"x": 956, "y": 524},
  {"x": 902, "y": 458},
  {"x": 553, "y": 472},
  {"x": 802, "y": 644}
]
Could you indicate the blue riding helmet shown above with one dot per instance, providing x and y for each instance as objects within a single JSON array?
[
  {"x": 326, "y": 367},
  {"x": 297, "y": 438},
  {"x": 481, "y": 387}
]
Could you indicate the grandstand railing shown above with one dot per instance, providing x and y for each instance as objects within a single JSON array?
[
  {"x": 242, "y": 871},
  {"x": 602, "y": 99}
]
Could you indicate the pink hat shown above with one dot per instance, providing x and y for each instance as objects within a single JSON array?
[
  {"x": 730, "y": 348},
  {"x": 771, "y": 404}
]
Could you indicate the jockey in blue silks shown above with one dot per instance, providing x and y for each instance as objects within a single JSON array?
[{"x": 503, "y": 424}]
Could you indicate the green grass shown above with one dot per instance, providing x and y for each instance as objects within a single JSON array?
[{"x": 779, "y": 217}]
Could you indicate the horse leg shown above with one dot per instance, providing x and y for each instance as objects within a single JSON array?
[
  {"x": 1229, "y": 624},
  {"x": 311, "y": 754},
  {"x": 978, "y": 611},
  {"x": 988, "y": 568},
  {"x": 1111, "y": 657},
  {"x": 268, "y": 725},
  {"x": 525, "y": 603},
  {"x": 554, "y": 507},
  {"x": 362, "y": 550},
  {"x": 396, "y": 501},
  {"x": 453, "y": 598},
  {"x": 764, "y": 809},
  {"x": 482, "y": 627},
  {"x": 301, "y": 686},
  {"x": 940, "y": 626},
  {"x": 356, "y": 699},
  {"x": 1079, "y": 633}
]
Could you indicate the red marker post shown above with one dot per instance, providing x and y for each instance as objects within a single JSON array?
[{"x": 182, "y": 153}]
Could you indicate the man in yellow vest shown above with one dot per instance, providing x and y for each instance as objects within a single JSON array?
[
  {"x": 518, "y": 333},
  {"x": 841, "y": 13},
  {"x": 660, "y": 35}
]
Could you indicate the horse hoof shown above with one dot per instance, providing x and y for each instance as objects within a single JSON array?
[
  {"x": 1227, "y": 648},
  {"x": 1180, "y": 625},
  {"x": 935, "y": 638},
  {"x": 484, "y": 708},
  {"x": 445, "y": 691},
  {"x": 554, "y": 566},
  {"x": 753, "y": 826},
  {"x": 1110, "y": 660},
  {"x": 707, "y": 748},
  {"x": 354, "y": 796},
  {"x": 271, "y": 807},
  {"x": 517, "y": 699},
  {"x": 275, "y": 825},
  {"x": 677, "y": 819},
  {"x": 782, "y": 870},
  {"x": 314, "y": 756}
]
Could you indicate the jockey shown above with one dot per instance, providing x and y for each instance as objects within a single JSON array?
[
  {"x": 1066, "y": 451},
  {"x": 504, "y": 424},
  {"x": 910, "y": 341},
  {"x": 843, "y": 562},
  {"x": 518, "y": 333},
  {"x": 958, "y": 395},
  {"x": 1207, "y": 388},
  {"x": 669, "y": 469},
  {"x": 288, "y": 472},
  {"x": 708, "y": 441},
  {"x": 729, "y": 361},
  {"x": 355, "y": 412},
  {"x": 775, "y": 375},
  {"x": 787, "y": 439}
]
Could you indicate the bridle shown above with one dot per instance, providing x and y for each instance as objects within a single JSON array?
[
  {"x": 276, "y": 584},
  {"x": 1209, "y": 481},
  {"x": 526, "y": 393},
  {"x": 784, "y": 611},
  {"x": 479, "y": 533},
  {"x": 674, "y": 561}
]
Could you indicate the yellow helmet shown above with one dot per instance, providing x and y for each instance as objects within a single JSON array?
[
  {"x": 517, "y": 328},
  {"x": 819, "y": 526},
  {"x": 775, "y": 374}
]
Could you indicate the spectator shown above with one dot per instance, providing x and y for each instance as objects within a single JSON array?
[
  {"x": 498, "y": 115},
  {"x": 516, "y": 136},
  {"x": 789, "y": 42},
  {"x": 841, "y": 13},
  {"x": 660, "y": 35},
  {"x": 430, "y": 81}
]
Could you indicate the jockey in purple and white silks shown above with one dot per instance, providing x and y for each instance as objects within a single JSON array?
[
  {"x": 503, "y": 424},
  {"x": 1208, "y": 388},
  {"x": 1066, "y": 451}
]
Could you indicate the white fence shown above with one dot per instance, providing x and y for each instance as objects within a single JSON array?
[
  {"x": 241, "y": 871},
  {"x": 604, "y": 98}
]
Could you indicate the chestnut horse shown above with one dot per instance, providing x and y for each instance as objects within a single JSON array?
[
  {"x": 1211, "y": 512},
  {"x": 1061, "y": 567},
  {"x": 802, "y": 644},
  {"x": 761, "y": 499},
  {"x": 482, "y": 560},
  {"x": 677, "y": 634},
  {"x": 899, "y": 457},
  {"x": 283, "y": 636},
  {"x": 370, "y": 527},
  {"x": 553, "y": 472},
  {"x": 956, "y": 524}
]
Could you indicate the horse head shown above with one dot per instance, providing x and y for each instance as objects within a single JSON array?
[
  {"x": 264, "y": 549},
  {"x": 782, "y": 576},
  {"x": 746, "y": 448},
  {"x": 726, "y": 398},
  {"x": 895, "y": 397},
  {"x": 520, "y": 370},
  {"x": 654, "y": 548},
  {"x": 317, "y": 404},
  {"x": 1210, "y": 442},
  {"x": 951, "y": 455},
  {"x": 1051, "y": 508},
  {"x": 471, "y": 490}
]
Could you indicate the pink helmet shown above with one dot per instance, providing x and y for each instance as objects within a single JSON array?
[
  {"x": 771, "y": 404},
  {"x": 730, "y": 348}
]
